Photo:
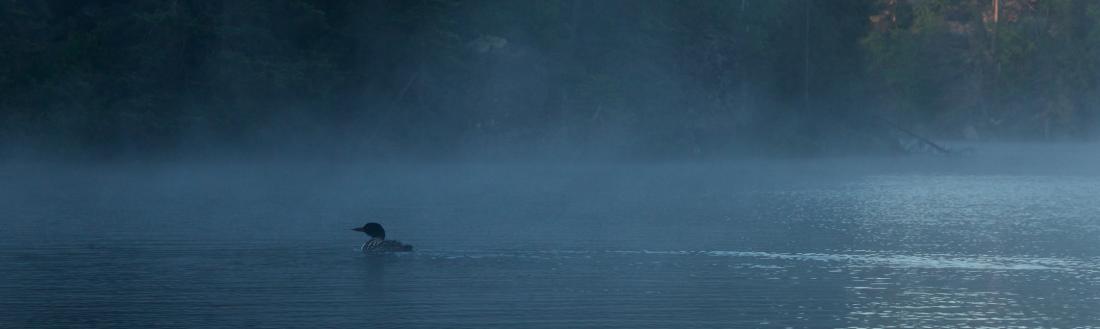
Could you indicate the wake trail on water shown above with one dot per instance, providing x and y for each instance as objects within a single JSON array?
[{"x": 852, "y": 259}]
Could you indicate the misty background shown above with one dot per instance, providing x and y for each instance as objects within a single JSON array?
[
  {"x": 556, "y": 164},
  {"x": 568, "y": 79}
]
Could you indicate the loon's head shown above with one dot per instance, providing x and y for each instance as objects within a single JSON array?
[{"x": 374, "y": 230}]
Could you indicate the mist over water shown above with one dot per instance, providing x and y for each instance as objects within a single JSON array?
[
  {"x": 555, "y": 163},
  {"x": 980, "y": 240}
]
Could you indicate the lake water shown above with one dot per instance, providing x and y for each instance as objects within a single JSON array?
[{"x": 889, "y": 243}]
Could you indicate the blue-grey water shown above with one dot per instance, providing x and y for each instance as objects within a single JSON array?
[{"x": 896, "y": 244}]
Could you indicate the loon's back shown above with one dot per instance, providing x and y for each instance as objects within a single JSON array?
[{"x": 378, "y": 245}]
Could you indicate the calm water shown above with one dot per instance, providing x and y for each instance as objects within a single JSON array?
[{"x": 664, "y": 246}]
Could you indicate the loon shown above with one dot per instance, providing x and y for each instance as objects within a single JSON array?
[{"x": 378, "y": 242}]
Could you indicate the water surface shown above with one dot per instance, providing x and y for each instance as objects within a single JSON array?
[{"x": 760, "y": 244}]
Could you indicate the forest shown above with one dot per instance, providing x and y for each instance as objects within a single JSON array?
[{"x": 560, "y": 78}]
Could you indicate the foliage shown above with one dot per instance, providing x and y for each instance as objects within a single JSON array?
[
  {"x": 1028, "y": 74},
  {"x": 645, "y": 78}
]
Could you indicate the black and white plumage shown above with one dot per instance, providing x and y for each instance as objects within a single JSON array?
[
  {"x": 381, "y": 245},
  {"x": 378, "y": 242}
]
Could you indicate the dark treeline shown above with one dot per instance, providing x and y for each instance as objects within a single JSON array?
[{"x": 568, "y": 77}]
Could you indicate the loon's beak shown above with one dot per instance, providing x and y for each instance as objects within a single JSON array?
[{"x": 360, "y": 229}]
